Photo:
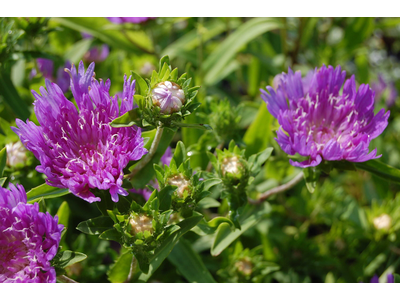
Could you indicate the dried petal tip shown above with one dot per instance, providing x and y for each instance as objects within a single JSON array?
[
  {"x": 182, "y": 183},
  {"x": 141, "y": 223},
  {"x": 384, "y": 221},
  {"x": 231, "y": 165},
  {"x": 244, "y": 266},
  {"x": 168, "y": 96},
  {"x": 16, "y": 154}
]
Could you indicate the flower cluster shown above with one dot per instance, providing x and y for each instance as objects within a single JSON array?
[
  {"x": 46, "y": 67},
  {"x": 29, "y": 239},
  {"x": 319, "y": 122},
  {"x": 79, "y": 150}
]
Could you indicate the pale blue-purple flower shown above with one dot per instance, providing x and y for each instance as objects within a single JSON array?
[
  {"x": 375, "y": 279},
  {"x": 321, "y": 123},
  {"x": 78, "y": 149},
  {"x": 46, "y": 67},
  {"x": 29, "y": 239},
  {"x": 120, "y": 20},
  {"x": 381, "y": 86},
  {"x": 97, "y": 53}
]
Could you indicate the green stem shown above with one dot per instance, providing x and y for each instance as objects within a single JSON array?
[
  {"x": 65, "y": 279},
  {"x": 149, "y": 156}
]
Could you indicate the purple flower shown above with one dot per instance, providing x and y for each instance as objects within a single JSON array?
[
  {"x": 79, "y": 150},
  {"x": 63, "y": 77},
  {"x": 319, "y": 123},
  {"x": 375, "y": 279},
  {"x": 136, "y": 20},
  {"x": 381, "y": 86},
  {"x": 29, "y": 239},
  {"x": 46, "y": 67},
  {"x": 97, "y": 53}
]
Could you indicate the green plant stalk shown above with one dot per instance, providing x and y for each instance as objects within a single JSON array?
[
  {"x": 149, "y": 155},
  {"x": 278, "y": 189}
]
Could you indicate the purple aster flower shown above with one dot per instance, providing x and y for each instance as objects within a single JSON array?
[
  {"x": 136, "y": 20},
  {"x": 79, "y": 150},
  {"x": 320, "y": 123},
  {"x": 97, "y": 53},
  {"x": 381, "y": 86},
  {"x": 29, "y": 239},
  {"x": 46, "y": 67},
  {"x": 375, "y": 279},
  {"x": 63, "y": 77}
]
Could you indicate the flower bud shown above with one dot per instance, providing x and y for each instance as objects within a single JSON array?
[
  {"x": 16, "y": 154},
  {"x": 231, "y": 165},
  {"x": 384, "y": 221},
  {"x": 182, "y": 183},
  {"x": 141, "y": 223},
  {"x": 168, "y": 96},
  {"x": 244, "y": 266}
]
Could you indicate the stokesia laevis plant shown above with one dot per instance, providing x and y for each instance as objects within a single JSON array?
[
  {"x": 79, "y": 150},
  {"x": 29, "y": 239},
  {"x": 320, "y": 123}
]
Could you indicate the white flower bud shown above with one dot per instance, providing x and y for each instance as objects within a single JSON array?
[
  {"x": 141, "y": 223},
  {"x": 231, "y": 165},
  {"x": 181, "y": 182},
  {"x": 168, "y": 96},
  {"x": 244, "y": 266},
  {"x": 384, "y": 221},
  {"x": 16, "y": 154}
]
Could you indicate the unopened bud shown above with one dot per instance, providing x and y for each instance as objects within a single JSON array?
[
  {"x": 168, "y": 96},
  {"x": 181, "y": 182},
  {"x": 244, "y": 266},
  {"x": 141, "y": 223},
  {"x": 16, "y": 154},
  {"x": 384, "y": 221},
  {"x": 231, "y": 165}
]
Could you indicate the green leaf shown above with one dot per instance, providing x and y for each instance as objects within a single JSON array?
[
  {"x": 179, "y": 153},
  {"x": 250, "y": 215},
  {"x": 63, "y": 214},
  {"x": 45, "y": 191},
  {"x": 96, "y": 225},
  {"x": 207, "y": 228},
  {"x": 128, "y": 119},
  {"x": 256, "y": 160},
  {"x": 311, "y": 176},
  {"x": 396, "y": 278},
  {"x": 66, "y": 258},
  {"x": 168, "y": 244},
  {"x": 111, "y": 235},
  {"x": 99, "y": 28},
  {"x": 119, "y": 272},
  {"x": 163, "y": 60},
  {"x": 3, "y": 180},
  {"x": 192, "y": 39},
  {"x": 189, "y": 263},
  {"x": 78, "y": 50},
  {"x": 217, "y": 61},
  {"x": 208, "y": 202},
  {"x": 190, "y": 125},
  {"x": 259, "y": 134},
  {"x": 11, "y": 97},
  {"x": 380, "y": 169},
  {"x": 3, "y": 160},
  {"x": 141, "y": 86}
]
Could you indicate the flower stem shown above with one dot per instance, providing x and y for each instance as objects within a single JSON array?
[
  {"x": 66, "y": 279},
  {"x": 279, "y": 189},
  {"x": 149, "y": 155},
  {"x": 132, "y": 270}
]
